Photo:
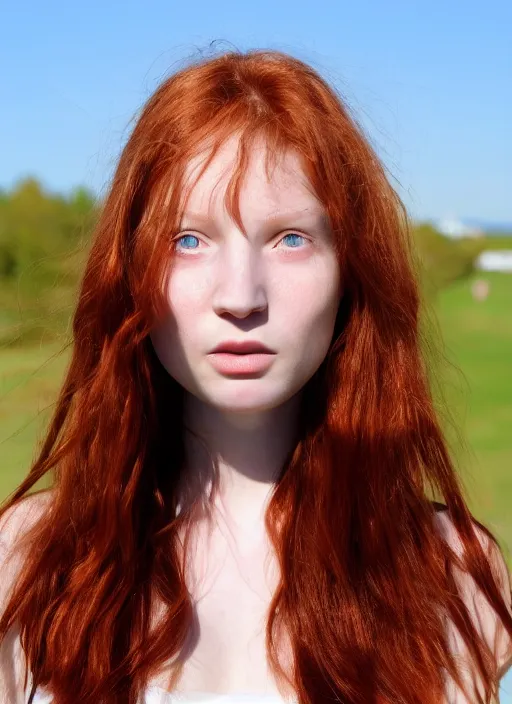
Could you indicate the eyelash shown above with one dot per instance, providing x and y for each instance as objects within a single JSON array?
[{"x": 288, "y": 234}]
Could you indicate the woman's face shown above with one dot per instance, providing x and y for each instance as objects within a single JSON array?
[{"x": 279, "y": 286}]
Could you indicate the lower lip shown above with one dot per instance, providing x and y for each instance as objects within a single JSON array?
[{"x": 229, "y": 363}]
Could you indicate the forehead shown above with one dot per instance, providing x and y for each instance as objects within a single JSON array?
[{"x": 285, "y": 186}]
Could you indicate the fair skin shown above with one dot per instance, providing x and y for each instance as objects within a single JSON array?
[{"x": 279, "y": 285}]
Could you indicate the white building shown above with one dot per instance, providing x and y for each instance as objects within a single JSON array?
[{"x": 499, "y": 260}]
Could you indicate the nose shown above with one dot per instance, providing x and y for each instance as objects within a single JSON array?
[{"x": 240, "y": 285}]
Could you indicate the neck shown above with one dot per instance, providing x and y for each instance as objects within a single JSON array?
[{"x": 241, "y": 452}]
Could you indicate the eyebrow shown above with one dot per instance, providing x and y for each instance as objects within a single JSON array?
[{"x": 276, "y": 217}]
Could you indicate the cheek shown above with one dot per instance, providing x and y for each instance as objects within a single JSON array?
[
  {"x": 178, "y": 330},
  {"x": 187, "y": 299},
  {"x": 311, "y": 306},
  {"x": 163, "y": 338},
  {"x": 313, "y": 322},
  {"x": 188, "y": 288}
]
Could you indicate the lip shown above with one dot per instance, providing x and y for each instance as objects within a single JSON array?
[
  {"x": 242, "y": 347},
  {"x": 237, "y": 365}
]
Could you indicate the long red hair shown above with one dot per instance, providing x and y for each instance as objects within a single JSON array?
[{"x": 367, "y": 582}]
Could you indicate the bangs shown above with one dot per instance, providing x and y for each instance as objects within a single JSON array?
[
  {"x": 182, "y": 159},
  {"x": 173, "y": 180},
  {"x": 274, "y": 147}
]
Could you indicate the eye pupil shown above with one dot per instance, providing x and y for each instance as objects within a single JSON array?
[
  {"x": 293, "y": 235},
  {"x": 186, "y": 237}
]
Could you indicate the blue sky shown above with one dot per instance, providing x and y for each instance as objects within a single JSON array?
[{"x": 430, "y": 81}]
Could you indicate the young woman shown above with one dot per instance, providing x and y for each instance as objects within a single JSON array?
[{"x": 244, "y": 454}]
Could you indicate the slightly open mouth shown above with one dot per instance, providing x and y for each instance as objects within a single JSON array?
[{"x": 241, "y": 362}]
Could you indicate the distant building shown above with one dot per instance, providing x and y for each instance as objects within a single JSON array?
[
  {"x": 499, "y": 260},
  {"x": 454, "y": 228}
]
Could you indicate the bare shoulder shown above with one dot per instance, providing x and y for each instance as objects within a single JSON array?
[
  {"x": 14, "y": 525},
  {"x": 447, "y": 529},
  {"x": 21, "y": 517},
  {"x": 485, "y": 619}
]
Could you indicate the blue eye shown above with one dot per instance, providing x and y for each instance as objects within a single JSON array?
[
  {"x": 184, "y": 237},
  {"x": 293, "y": 235},
  {"x": 190, "y": 237}
]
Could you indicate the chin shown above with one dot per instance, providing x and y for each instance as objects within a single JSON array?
[{"x": 245, "y": 396}]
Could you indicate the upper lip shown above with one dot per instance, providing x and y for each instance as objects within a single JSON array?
[{"x": 242, "y": 347}]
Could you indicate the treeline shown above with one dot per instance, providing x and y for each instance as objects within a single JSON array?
[{"x": 44, "y": 240}]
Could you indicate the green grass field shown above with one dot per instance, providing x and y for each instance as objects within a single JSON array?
[{"x": 478, "y": 337}]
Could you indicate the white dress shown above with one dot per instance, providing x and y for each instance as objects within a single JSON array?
[{"x": 12, "y": 657}]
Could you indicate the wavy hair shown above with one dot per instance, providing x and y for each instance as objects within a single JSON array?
[{"x": 367, "y": 584}]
